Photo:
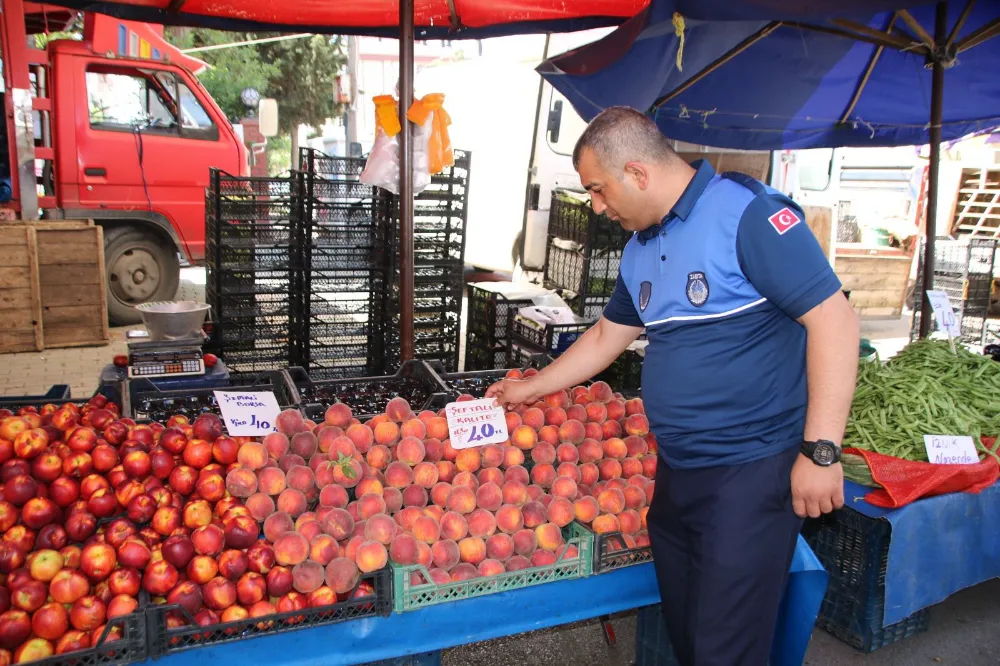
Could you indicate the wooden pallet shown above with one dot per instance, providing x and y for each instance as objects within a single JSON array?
[
  {"x": 73, "y": 288},
  {"x": 20, "y": 300},
  {"x": 977, "y": 209}
]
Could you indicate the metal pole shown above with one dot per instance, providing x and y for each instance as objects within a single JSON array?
[
  {"x": 937, "y": 99},
  {"x": 405, "y": 181},
  {"x": 352, "y": 106}
]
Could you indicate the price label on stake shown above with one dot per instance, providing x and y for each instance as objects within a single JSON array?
[
  {"x": 951, "y": 449},
  {"x": 944, "y": 313},
  {"x": 248, "y": 413},
  {"x": 475, "y": 423}
]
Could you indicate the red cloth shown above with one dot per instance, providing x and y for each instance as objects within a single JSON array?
[{"x": 905, "y": 481}]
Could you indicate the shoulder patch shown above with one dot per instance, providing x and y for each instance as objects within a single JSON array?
[{"x": 784, "y": 220}]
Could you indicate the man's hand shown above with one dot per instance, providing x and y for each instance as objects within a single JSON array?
[
  {"x": 511, "y": 393},
  {"x": 816, "y": 490}
]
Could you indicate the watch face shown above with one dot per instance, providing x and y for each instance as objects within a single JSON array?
[{"x": 824, "y": 454}]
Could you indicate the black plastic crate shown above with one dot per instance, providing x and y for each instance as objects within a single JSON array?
[
  {"x": 583, "y": 274},
  {"x": 164, "y": 641},
  {"x": 57, "y": 394},
  {"x": 625, "y": 374},
  {"x": 575, "y": 220},
  {"x": 552, "y": 339},
  {"x": 489, "y": 314},
  {"x": 611, "y": 552},
  {"x": 476, "y": 382},
  {"x": 483, "y": 357},
  {"x": 854, "y": 549},
  {"x": 330, "y": 166},
  {"x": 366, "y": 396},
  {"x": 60, "y": 395},
  {"x": 652, "y": 644},
  {"x": 148, "y": 403},
  {"x": 519, "y": 356}
]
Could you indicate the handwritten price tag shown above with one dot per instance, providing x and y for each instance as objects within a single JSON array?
[
  {"x": 475, "y": 423},
  {"x": 248, "y": 413},
  {"x": 944, "y": 313},
  {"x": 951, "y": 449}
]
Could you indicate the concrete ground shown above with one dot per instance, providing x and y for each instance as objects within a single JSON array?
[{"x": 965, "y": 629}]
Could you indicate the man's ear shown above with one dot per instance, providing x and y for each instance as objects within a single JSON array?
[{"x": 637, "y": 172}]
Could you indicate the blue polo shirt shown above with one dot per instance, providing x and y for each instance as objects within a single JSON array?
[{"x": 719, "y": 285}]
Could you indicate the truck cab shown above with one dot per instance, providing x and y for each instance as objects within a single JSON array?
[{"x": 127, "y": 142}]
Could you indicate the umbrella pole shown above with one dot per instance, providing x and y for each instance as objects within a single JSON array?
[
  {"x": 405, "y": 181},
  {"x": 937, "y": 99}
]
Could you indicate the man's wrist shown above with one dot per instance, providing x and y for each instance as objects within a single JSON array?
[{"x": 822, "y": 452}]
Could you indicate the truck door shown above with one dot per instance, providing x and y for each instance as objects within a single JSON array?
[{"x": 146, "y": 142}]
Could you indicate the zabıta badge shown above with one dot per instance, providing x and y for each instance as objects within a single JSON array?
[{"x": 475, "y": 423}]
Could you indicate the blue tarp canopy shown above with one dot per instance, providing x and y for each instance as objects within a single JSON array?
[{"x": 773, "y": 74}]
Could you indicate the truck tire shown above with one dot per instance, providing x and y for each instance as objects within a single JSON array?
[{"x": 141, "y": 266}]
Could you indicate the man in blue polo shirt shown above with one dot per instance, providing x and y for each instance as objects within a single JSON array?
[{"x": 747, "y": 380}]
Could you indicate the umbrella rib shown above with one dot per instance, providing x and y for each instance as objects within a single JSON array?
[
  {"x": 456, "y": 23},
  {"x": 864, "y": 79},
  {"x": 718, "y": 62},
  {"x": 859, "y": 30},
  {"x": 915, "y": 26},
  {"x": 988, "y": 31},
  {"x": 960, "y": 22},
  {"x": 175, "y": 5}
]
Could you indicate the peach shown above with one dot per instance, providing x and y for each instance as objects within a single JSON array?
[
  {"x": 398, "y": 410},
  {"x": 424, "y": 556},
  {"x": 304, "y": 444},
  {"x": 461, "y": 499},
  {"x": 464, "y": 571},
  {"x": 549, "y": 435},
  {"x": 572, "y": 431},
  {"x": 292, "y": 501},
  {"x": 369, "y": 484},
  {"x": 323, "y": 548},
  {"x": 635, "y": 498},
  {"x": 534, "y": 514},
  {"x": 597, "y": 412},
  {"x": 410, "y": 450},
  {"x": 593, "y": 430},
  {"x": 637, "y": 424},
  {"x": 339, "y": 524},
  {"x": 611, "y": 429},
  {"x": 291, "y": 548},
  {"x": 490, "y": 567},
  {"x": 439, "y": 493},
  {"x": 589, "y": 474},
  {"x": 300, "y": 478},
  {"x": 415, "y": 496},
  {"x": 433, "y": 450},
  {"x": 446, "y": 554},
  {"x": 393, "y": 500},
  {"x": 378, "y": 456},
  {"x": 543, "y": 475},
  {"x": 555, "y": 416},
  {"x": 600, "y": 392},
  {"x": 577, "y": 412},
  {"x": 428, "y": 529},
  {"x": 512, "y": 456},
  {"x": 415, "y": 428},
  {"x": 565, "y": 487},
  {"x": 634, "y": 406},
  {"x": 252, "y": 455},
  {"x": 381, "y": 528},
  {"x": 342, "y": 574},
  {"x": 241, "y": 482},
  {"x": 649, "y": 465},
  {"x": 290, "y": 422},
  {"x": 370, "y": 504},
  {"x": 615, "y": 448},
  {"x": 549, "y": 536},
  {"x": 513, "y": 420},
  {"x": 308, "y": 576},
  {"x": 437, "y": 428},
  {"x": 398, "y": 475},
  {"x": 524, "y": 437},
  {"x": 490, "y": 475},
  {"x": 338, "y": 414},
  {"x": 518, "y": 563},
  {"x": 446, "y": 471},
  {"x": 425, "y": 474},
  {"x": 617, "y": 483},
  {"x": 611, "y": 500},
  {"x": 616, "y": 410},
  {"x": 482, "y": 523},
  {"x": 362, "y": 437},
  {"x": 605, "y": 523},
  {"x": 610, "y": 469},
  {"x": 500, "y": 547},
  {"x": 386, "y": 433},
  {"x": 543, "y": 453},
  {"x": 533, "y": 418},
  {"x": 586, "y": 509},
  {"x": 510, "y": 519},
  {"x": 454, "y": 526},
  {"x": 271, "y": 481},
  {"x": 334, "y": 495},
  {"x": 472, "y": 550},
  {"x": 408, "y": 516},
  {"x": 649, "y": 492},
  {"x": 260, "y": 506},
  {"x": 636, "y": 446},
  {"x": 515, "y": 493},
  {"x": 290, "y": 460},
  {"x": 468, "y": 460},
  {"x": 631, "y": 467},
  {"x": 434, "y": 511},
  {"x": 629, "y": 521},
  {"x": 276, "y": 444},
  {"x": 371, "y": 556},
  {"x": 560, "y": 511},
  {"x": 403, "y": 549},
  {"x": 642, "y": 539},
  {"x": 590, "y": 450},
  {"x": 489, "y": 497}
]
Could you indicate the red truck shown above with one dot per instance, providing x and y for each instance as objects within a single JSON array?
[{"x": 124, "y": 141}]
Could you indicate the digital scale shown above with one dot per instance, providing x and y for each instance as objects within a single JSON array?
[{"x": 171, "y": 345}]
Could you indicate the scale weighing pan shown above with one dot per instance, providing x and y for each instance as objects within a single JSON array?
[{"x": 173, "y": 320}]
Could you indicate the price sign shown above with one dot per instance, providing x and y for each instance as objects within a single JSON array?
[
  {"x": 475, "y": 423},
  {"x": 951, "y": 450},
  {"x": 248, "y": 413},
  {"x": 944, "y": 313}
]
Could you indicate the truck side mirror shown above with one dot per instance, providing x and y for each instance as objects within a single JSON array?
[
  {"x": 267, "y": 113},
  {"x": 555, "y": 121}
]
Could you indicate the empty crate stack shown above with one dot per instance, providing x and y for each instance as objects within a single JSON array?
[
  {"x": 253, "y": 258},
  {"x": 439, "y": 229},
  {"x": 583, "y": 254},
  {"x": 488, "y": 322},
  {"x": 346, "y": 267},
  {"x": 964, "y": 270}
]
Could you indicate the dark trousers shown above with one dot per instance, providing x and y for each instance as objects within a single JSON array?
[{"x": 723, "y": 540}]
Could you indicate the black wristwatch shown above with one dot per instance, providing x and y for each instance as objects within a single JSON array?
[{"x": 823, "y": 452}]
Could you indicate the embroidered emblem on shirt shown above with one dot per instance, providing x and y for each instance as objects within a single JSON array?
[
  {"x": 645, "y": 291},
  {"x": 783, "y": 220},
  {"x": 697, "y": 289}
]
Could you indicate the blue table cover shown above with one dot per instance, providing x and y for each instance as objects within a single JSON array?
[
  {"x": 939, "y": 545},
  {"x": 492, "y": 616}
]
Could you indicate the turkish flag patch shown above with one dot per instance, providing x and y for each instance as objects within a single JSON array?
[{"x": 783, "y": 220}]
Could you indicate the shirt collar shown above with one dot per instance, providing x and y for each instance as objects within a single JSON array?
[{"x": 703, "y": 175}]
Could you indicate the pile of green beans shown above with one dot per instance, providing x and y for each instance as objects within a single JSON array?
[{"x": 926, "y": 389}]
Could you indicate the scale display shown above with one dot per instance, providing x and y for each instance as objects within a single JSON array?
[{"x": 166, "y": 363}]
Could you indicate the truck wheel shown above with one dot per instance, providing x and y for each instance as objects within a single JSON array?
[{"x": 141, "y": 267}]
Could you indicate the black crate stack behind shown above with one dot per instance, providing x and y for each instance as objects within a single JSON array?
[
  {"x": 583, "y": 254},
  {"x": 439, "y": 231},
  {"x": 346, "y": 268},
  {"x": 964, "y": 270},
  {"x": 253, "y": 240}
]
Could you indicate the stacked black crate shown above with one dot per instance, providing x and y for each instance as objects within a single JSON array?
[
  {"x": 346, "y": 269},
  {"x": 253, "y": 259},
  {"x": 583, "y": 254},
  {"x": 964, "y": 270},
  {"x": 487, "y": 324},
  {"x": 439, "y": 232}
]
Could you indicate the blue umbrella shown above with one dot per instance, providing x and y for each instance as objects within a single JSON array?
[{"x": 771, "y": 74}]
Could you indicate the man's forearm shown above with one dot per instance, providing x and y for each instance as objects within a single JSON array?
[
  {"x": 831, "y": 371},
  {"x": 594, "y": 351}
]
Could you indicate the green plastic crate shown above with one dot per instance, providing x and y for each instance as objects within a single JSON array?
[{"x": 407, "y": 597}]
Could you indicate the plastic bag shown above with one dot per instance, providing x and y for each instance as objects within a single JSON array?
[
  {"x": 421, "y": 156},
  {"x": 382, "y": 167},
  {"x": 429, "y": 114}
]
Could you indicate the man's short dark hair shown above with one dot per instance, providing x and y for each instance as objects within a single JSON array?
[{"x": 619, "y": 135}]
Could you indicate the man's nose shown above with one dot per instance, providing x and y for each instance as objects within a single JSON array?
[{"x": 597, "y": 204}]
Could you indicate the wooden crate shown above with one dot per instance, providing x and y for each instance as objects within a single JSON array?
[
  {"x": 20, "y": 300},
  {"x": 73, "y": 289},
  {"x": 878, "y": 282}
]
